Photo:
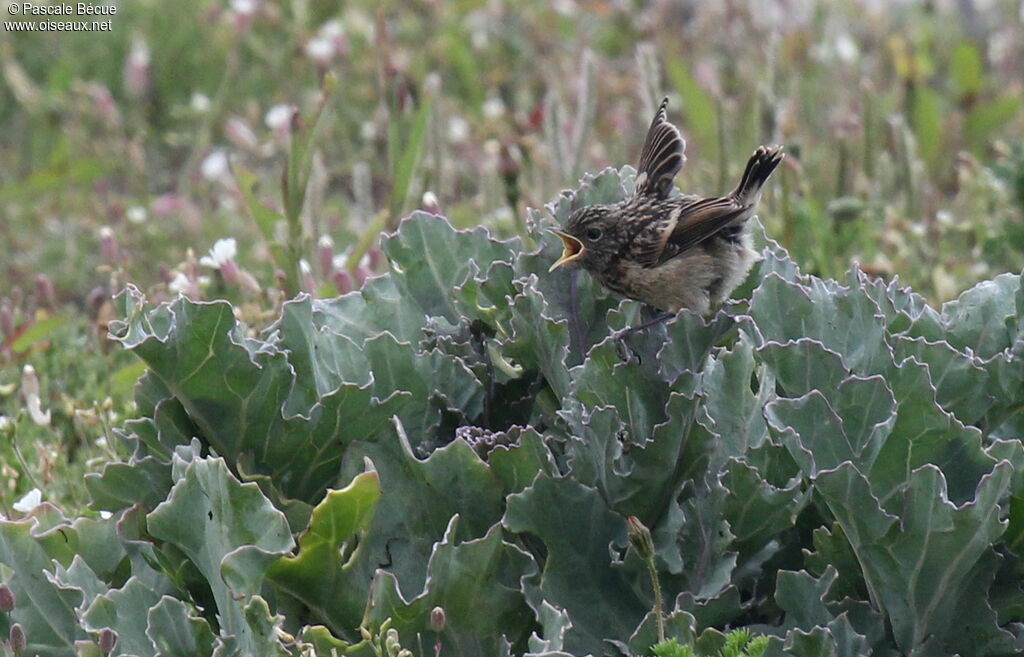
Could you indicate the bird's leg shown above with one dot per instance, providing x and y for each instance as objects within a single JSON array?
[{"x": 623, "y": 349}]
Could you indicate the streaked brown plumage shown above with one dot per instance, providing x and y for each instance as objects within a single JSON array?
[{"x": 670, "y": 253}]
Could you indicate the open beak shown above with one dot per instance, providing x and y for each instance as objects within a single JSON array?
[{"x": 572, "y": 250}]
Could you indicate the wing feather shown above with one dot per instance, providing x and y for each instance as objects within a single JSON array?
[
  {"x": 661, "y": 157},
  {"x": 687, "y": 226}
]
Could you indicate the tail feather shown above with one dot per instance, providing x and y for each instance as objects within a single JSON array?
[{"x": 761, "y": 165}]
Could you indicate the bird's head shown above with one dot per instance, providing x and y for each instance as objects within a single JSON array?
[{"x": 590, "y": 238}]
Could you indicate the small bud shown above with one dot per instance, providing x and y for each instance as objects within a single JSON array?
[
  {"x": 46, "y": 297},
  {"x": 241, "y": 135},
  {"x": 430, "y": 203},
  {"x": 137, "y": 68},
  {"x": 229, "y": 270},
  {"x": 306, "y": 280},
  {"x": 365, "y": 633},
  {"x": 640, "y": 538},
  {"x": 391, "y": 643},
  {"x": 437, "y": 619},
  {"x": 6, "y": 598},
  {"x": 362, "y": 273},
  {"x": 325, "y": 254},
  {"x": 6, "y": 319},
  {"x": 108, "y": 245},
  {"x": 377, "y": 261},
  {"x": 17, "y": 638},
  {"x": 343, "y": 281},
  {"x": 108, "y": 638}
]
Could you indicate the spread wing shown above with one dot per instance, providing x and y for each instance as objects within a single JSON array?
[
  {"x": 661, "y": 157},
  {"x": 694, "y": 221}
]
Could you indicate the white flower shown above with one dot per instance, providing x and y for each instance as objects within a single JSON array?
[
  {"x": 223, "y": 250},
  {"x": 458, "y": 129},
  {"x": 278, "y": 117},
  {"x": 320, "y": 49},
  {"x": 105, "y": 515},
  {"x": 304, "y": 266},
  {"x": 138, "y": 56},
  {"x": 29, "y": 501},
  {"x": 5, "y": 423},
  {"x": 332, "y": 29},
  {"x": 215, "y": 165},
  {"x": 200, "y": 103},
  {"x": 243, "y": 7},
  {"x": 493, "y": 107},
  {"x": 846, "y": 48},
  {"x": 136, "y": 214},
  {"x": 179, "y": 284}
]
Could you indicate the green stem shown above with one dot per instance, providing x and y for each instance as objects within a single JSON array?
[{"x": 658, "y": 610}]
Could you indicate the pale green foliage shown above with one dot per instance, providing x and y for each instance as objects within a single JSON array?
[{"x": 838, "y": 461}]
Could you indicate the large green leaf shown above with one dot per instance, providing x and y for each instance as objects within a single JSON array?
[
  {"x": 476, "y": 584},
  {"x": 228, "y": 530},
  {"x": 579, "y": 575},
  {"x": 430, "y": 259},
  {"x": 318, "y": 573},
  {"x": 916, "y": 564},
  {"x": 243, "y": 398}
]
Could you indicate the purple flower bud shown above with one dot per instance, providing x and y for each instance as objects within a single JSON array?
[
  {"x": 136, "y": 69},
  {"x": 108, "y": 245},
  {"x": 437, "y": 619},
  {"x": 6, "y": 598},
  {"x": 17, "y": 638},
  {"x": 343, "y": 281},
  {"x": 362, "y": 273},
  {"x": 325, "y": 254},
  {"x": 377, "y": 260},
  {"x": 45, "y": 295},
  {"x": 229, "y": 270},
  {"x": 6, "y": 319}
]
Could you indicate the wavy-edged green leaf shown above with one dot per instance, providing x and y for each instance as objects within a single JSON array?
[
  {"x": 228, "y": 530},
  {"x": 177, "y": 631},
  {"x": 579, "y": 533},
  {"x": 126, "y": 611},
  {"x": 418, "y": 498},
  {"x": 477, "y": 585},
  {"x": 915, "y": 564},
  {"x": 430, "y": 259},
  {"x": 318, "y": 572},
  {"x": 844, "y": 320},
  {"x": 45, "y": 611}
]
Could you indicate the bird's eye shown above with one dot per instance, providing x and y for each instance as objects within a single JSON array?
[{"x": 594, "y": 234}]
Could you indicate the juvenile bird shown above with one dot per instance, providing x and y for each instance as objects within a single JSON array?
[{"x": 670, "y": 253}]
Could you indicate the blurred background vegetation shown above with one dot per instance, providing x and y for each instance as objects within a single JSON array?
[{"x": 126, "y": 155}]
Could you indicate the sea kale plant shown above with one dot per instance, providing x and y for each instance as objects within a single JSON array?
[{"x": 451, "y": 461}]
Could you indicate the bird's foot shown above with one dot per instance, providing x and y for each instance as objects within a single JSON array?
[{"x": 627, "y": 353}]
